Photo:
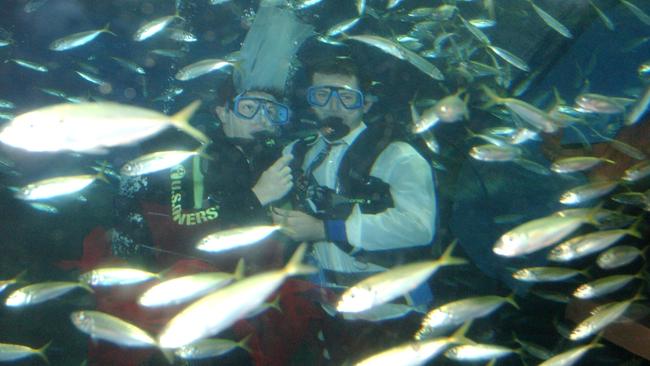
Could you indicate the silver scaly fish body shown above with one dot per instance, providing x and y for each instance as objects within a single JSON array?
[{"x": 107, "y": 327}]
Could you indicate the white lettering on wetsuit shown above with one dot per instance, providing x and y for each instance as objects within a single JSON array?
[{"x": 194, "y": 218}]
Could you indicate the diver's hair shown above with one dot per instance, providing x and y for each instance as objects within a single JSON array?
[
  {"x": 341, "y": 66},
  {"x": 226, "y": 93}
]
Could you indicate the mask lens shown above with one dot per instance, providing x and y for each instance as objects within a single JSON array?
[
  {"x": 319, "y": 96},
  {"x": 246, "y": 108},
  {"x": 249, "y": 107},
  {"x": 276, "y": 112},
  {"x": 351, "y": 99}
]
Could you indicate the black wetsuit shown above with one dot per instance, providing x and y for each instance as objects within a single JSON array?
[{"x": 172, "y": 209}]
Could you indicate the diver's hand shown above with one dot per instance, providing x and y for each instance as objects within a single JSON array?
[
  {"x": 299, "y": 226},
  {"x": 275, "y": 182}
]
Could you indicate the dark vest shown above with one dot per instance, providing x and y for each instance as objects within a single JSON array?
[{"x": 355, "y": 186}]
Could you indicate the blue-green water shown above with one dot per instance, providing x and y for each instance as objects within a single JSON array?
[{"x": 477, "y": 201}]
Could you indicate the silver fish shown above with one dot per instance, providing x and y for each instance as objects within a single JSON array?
[
  {"x": 155, "y": 161},
  {"x": 637, "y": 171},
  {"x": 489, "y": 152},
  {"x": 460, "y": 311},
  {"x": 57, "y": 186},
  {"x": 199, "y": 320},
  {"x": 342, "y": 27},
  {"x": 30, "y": 65},
  {"x": 539, "y": 233},
  {"x": 235, "y": 238},
  {"x": 597, "y": 103},
  {"x": 477, "y": 352},
  {"x": 78, "y": 39},
  {"x": 618, "y": 256},
  {"x": 608, "y": 22},
  {"x": 153, "y": 27},
  {"x": 112, "y": 329},
  {"x": 395, "y": 282},
  {"x": 545, "y": 274},
  {"x": 183, "y": 289},
  {"x": 130, "y": 65},
  {"x": 14, "y": 352},
  {"x": 92, "y": 78},
  {"x": 603, "y": 286},
  {"x": 570, "y": 357},
  {"x": 640, "y": 14},
  {"x": 551, "y": 22},
  {"x": 510, "y": 58},
  {"x": 639, "y": 109},
  {"x": 587, "y": 244},
  {"x": 409, "y": 354},
  {"x": 587, "y": 192},
  {"x": 527, "y": 112},
  {"x": 600, "y": 318},
  {"x": 181, "y": 35},
  {"x": 40, "y": 292},
  {"x": 91, "y": 127},
  {"x": 577, "y": 164},
  {"x": 112, "y": 276},
  {"x": 202, "y": 67},
  {"x": 208, "y": 348}
]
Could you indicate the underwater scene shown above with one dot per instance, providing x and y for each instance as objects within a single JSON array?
[{"x": 324, "y": 182}]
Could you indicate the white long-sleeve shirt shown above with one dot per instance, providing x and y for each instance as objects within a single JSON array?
[{"x": 411, "y": 222}]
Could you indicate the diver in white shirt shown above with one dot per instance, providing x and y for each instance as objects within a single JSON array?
[{"x": 360, "y": 222}]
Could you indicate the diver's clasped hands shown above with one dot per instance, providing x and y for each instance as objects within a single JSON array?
[
  {"x": 275, "y": 182},
  {"x": 298, "y": 225}
]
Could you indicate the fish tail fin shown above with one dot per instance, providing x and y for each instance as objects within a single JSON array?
[
  {"x": 633, "y": 230},
  {"x": 182, "y": 118},
  {"x": 41, "y": 352},
  {"x": 295, "y": 266},
  {"x": 177, "y": 14},
  {"x": 100, "y": 174},
  {"x": 168, "y": 354},
  {"x": 493, "y": 97},
  {"x": 447, "y": 259},
  {"x": 511, "y": 300},
  {"x": 459, "y": 334},
  {"x": 557, "y": 97},
  {"x": 275, "y": 304},
  {"x": 243, "y": 344},
  {"x": 470, "y": 132},
  {"x": 86, "y": 287},
  {"x": 591, "y": 217},
  {"x": 20, "y": 277},
  {"x": 239, "y": 270},
  {"x": 106, "y": 29},
  {"x": 200, "y": 151},
  {"x": 639, "y": 295}
]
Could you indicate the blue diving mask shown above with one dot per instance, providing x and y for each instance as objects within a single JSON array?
[
  {"x": 246, "y": 107},
  {"x": 349, "y": 98}
]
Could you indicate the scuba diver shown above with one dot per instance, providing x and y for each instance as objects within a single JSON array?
[
  {"x": 160, "y": 217},
  {"x": 227, "y": 185},
  {"x": 365, "y": 199}
]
